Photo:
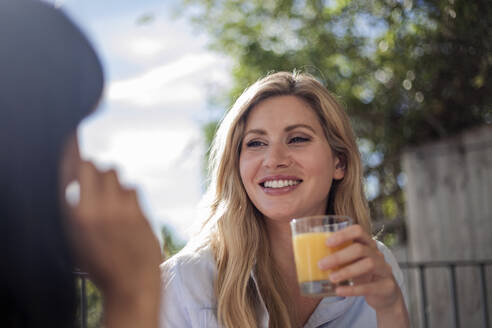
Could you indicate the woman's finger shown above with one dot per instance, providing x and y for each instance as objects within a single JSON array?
[
  {"x": 379, "y": 288},
  {"x": 90, "y": 186},
  {"x": 345, "y": 256},
  {"x": 89, "y": 181},
  {"x": 368, "y": 265},
  {"x": 111, "y": 184},
  {"x": 352, "y": 233}
]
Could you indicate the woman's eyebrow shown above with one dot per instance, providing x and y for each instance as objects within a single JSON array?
[
  {"x": 295, "y": 126},
  {"x": 287, "y": 129},
  {"x": 255, "y": 131}
]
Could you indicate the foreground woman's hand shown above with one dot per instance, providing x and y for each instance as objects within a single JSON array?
[
  {"x": 115, "y": 244},
  {"x": 372, "y": 275}
]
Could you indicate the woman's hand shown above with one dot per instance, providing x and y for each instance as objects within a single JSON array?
[
  {"x": 372, "y": 275},
  {"x": 115, "y": 244}
]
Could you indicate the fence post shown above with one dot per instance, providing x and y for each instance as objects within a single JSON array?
[
  {"x": 454, "y": 296},
  {"x": 424, "y": 295},
  {"x": 485, "y": 304},
  {"x": 83, "y": 302}
]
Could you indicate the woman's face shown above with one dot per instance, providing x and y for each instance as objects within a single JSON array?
[{"x": 286, "y": 164}]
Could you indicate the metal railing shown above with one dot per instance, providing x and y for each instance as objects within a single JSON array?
[
  {"x": 421, "y": 268},
  {"x": 82, "y": 276}
]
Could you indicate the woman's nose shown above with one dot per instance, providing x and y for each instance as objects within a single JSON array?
[{"x": 277, "y": 156}]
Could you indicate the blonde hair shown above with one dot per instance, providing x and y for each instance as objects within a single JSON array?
[{"x": 236, "y": 230}]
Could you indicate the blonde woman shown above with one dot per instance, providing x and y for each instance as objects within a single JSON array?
[{"x": 284, "y": 150}]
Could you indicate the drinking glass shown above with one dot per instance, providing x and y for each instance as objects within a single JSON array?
[{"x": 308, "y": 238}]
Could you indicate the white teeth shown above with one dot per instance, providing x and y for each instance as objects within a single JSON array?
[{"x": 280, "y": 183}]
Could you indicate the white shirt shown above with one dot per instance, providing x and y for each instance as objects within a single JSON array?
[{"x": 189, "y": 298}]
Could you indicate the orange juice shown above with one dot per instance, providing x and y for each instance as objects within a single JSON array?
[{"x": 309, "y": 248}]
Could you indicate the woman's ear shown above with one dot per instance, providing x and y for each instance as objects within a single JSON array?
[{"x": 340, "y": 166}]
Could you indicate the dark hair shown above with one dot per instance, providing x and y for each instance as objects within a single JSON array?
[{"x": 50, "y": 79}]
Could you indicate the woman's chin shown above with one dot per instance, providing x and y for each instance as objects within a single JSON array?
[
  {"x": 287, "y": 216},
  {"x": 282, "y": 217}
]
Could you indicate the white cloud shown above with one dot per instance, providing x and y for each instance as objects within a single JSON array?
[
  {"x": 145, "y": 47},
  {"x": 164, "y": 160},
  {"x": 186, "y": 220},
  {"x": 179, "y": 83}
]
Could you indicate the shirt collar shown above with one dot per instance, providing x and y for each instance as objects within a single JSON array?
[{"x": 329, "y": 309}]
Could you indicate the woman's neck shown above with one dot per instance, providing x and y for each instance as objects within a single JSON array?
[{"x": 280, "y": 238}]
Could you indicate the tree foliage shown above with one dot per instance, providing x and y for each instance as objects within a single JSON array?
[
  {"x": 407, "y": 71},
  {"x": 171, "y": 244}
]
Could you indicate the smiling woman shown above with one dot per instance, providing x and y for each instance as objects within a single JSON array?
[{"x": 284, "y": 150}]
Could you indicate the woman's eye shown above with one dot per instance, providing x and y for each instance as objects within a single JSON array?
[
  {"x": 254, "y": 143},
  {"x": 298, "y": 140}
]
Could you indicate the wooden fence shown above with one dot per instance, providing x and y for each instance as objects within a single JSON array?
[{"x": 449, "y": 218}]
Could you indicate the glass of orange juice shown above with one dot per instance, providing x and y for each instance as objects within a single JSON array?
[{"x": 308, "y": 238}]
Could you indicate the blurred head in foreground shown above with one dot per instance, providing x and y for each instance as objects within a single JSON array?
[{"x": 50, "y": 79}]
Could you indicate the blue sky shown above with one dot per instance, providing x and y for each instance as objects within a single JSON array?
[{"x": 159, "y": 76}]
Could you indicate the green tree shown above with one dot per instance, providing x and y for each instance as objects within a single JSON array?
[
  {"x": 171, "y": 244},
  {"x": 407, "y": 71}
]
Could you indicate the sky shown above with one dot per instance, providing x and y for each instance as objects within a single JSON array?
[{"x": 159, "y": 79}]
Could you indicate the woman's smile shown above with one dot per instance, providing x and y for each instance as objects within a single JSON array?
[{"x": 279, "y": 184}]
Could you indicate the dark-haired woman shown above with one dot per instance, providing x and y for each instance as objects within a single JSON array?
[{"x": 51, "y": 79}]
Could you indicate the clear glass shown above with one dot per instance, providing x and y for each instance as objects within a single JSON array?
[{"x": 308, "y": 239}]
